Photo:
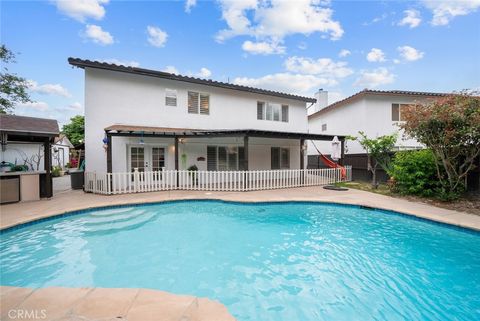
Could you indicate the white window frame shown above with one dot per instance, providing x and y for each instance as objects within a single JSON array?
[
  {"x": 237, "y": 161},
  {"x": 147, "y": 154},
  {"x": 400, "y": 107},
  {"x": 269, "y": 110},
  {"x": 198, "y": 107},
  {"x": 172, "y": 94}
]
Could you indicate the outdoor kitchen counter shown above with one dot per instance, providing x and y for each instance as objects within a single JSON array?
[{"x": 20, "y": 186}]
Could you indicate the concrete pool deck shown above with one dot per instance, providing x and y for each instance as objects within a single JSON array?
[
  {"x": 97, "y": 304},
  {"x": 18, "y": 213}
]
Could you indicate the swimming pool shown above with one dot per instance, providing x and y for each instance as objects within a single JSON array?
[{"x": 267, "y": 261}]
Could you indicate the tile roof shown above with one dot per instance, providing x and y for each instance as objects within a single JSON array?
[
  {"x": 22, "y": 124},
  {"x": 365, "y": 92},
  {"x": 82, "y": 63}
]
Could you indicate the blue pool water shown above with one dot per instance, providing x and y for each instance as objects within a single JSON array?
[{"x": 269, "y": 262}]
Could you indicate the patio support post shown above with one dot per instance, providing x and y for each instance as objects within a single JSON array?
[
  {"x": 342, "y": 155},
  {"x": 109, "y": 152},
  {"x": 302, "y": 160},
  {"x": 245, "y": 152},
  {"x": 302, "y": 154},
  {"x": 176, "y": 157},
  {"x": 47, "y": 164}
]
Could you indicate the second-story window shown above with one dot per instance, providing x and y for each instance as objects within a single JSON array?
[
  {"x": 271, "y": 111},
  {"x": 170, "y": 97},
  {"x": 198, "y": 103},
  {"x": 397, "y": 112}
]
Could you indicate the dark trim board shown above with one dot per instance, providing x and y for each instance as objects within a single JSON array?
[{"x": 227, "y": 133}]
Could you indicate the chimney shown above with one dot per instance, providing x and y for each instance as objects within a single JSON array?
[{"x": 322, "y": 99}]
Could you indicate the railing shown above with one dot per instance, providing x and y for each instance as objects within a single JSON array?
[{"x": 234, "y": 181}]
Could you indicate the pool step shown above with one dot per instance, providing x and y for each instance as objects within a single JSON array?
[
  {"x": 95, "y": 219},
  {"x": 119, "y": 225}
]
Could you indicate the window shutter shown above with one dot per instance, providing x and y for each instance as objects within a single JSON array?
[
  {"x": 204, "y": 104},
  {"x": 285, "y": 113},
  {"x": 193, "y": 102},
  {"x": 260, "y": 110},
  {"x": 211, "y": 158},
  {"x": 395, "y": 112},
  {"x": 170, "y": 97},
  {"x": 275, "y": 158},
  {"x": 285, "y": 158}
]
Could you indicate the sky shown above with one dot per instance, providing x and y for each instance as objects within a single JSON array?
[{"x": 291, "y": 46}]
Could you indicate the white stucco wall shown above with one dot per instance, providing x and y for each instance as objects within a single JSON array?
[
  {"x": 371, "y": 114},
  {"x": 121, "y": 98}
]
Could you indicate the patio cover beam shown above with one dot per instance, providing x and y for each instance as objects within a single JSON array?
[{"x": 226, "y": 133}]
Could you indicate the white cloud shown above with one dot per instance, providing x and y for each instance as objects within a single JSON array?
[
  {"x": 445, "y": 11},
  {"x": 171, "y": 69},
  {"x": 76, "y": 106},
  {"x": 412, "y": 18},
  {"x": 409, "y": 53},
  {"x": 156, "y": 36},
  {"x": 48, "y": 89},
  {"x": 344, "y": 53},
  {"x": 287, "y": 82},
  {"x": 38, "y": 106},
  {"x": 98, "y": 35},
  {"x": 376, "y": 55},
  {"x": 263, "y": 47},
  {"x": 276, "y": 19},
  {"x": 376, "y": 19},
  {"x": 374, "y": 78},
  {"x": 323, "y": 66},
  {"x": 204, "y": 73},
  {"x": 120, "y": 62},
  {"x": 189, "y": 4},
  {"x": 302, "y": 46},
  {"x": 82, "y": 9}
]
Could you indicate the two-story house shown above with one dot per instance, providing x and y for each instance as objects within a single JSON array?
[
  {"x": 374, "y": 112},
  {"x": 150, "y": 120}
]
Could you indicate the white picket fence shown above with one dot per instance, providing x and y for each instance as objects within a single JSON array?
[{"x": 137, "y": 182}]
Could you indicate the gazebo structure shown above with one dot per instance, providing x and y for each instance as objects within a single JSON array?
[{"x": 20, "y": 131}]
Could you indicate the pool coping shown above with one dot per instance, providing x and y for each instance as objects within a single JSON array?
[{"x": 77, "y": 211}]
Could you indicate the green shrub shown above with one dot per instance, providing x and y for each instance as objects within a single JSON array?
[{"x": 415, "y": 173}]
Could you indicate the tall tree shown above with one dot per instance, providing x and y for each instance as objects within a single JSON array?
[
  {"x": 450, "y": 127},
  {"x": 75, "y": 130},
  {"x": 13, "y": 89}
]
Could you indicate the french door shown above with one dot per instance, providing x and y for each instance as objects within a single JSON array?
[{"x": 147, "y": 158}]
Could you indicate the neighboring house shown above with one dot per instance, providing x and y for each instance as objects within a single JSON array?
[
  {"x": 374, "y": 112},
  {"x": 152, "y": 120},
  {"x": 61, "y": 151}
]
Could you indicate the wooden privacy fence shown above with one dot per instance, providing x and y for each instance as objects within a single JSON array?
[{"x": 137, "y": 182}]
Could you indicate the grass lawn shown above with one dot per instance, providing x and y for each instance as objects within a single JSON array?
[{"x": 469, "y": 204}]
